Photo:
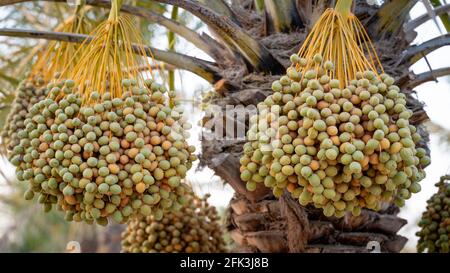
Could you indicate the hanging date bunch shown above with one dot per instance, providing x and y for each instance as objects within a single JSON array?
[
  {"x": 48, "y": 64},
  {"x": 104, "y": 143},
  {"x": 335, "y": 133},
  {"x": 195, "y": 228},
  {"x": 28, "y": 93},
  {"x": 435, "y": 223}
]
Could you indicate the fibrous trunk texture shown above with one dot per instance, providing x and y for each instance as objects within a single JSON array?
[
  {"x": 257, "y": 221},
  {"x": 283, "y": 226}
]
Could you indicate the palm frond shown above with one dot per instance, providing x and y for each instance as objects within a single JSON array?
[
  {"x": 393, "y": 14},
  {"x": 283, "y": 15},
  {"x": 417, "y": 52},
  {"x": 221, "y": 7},
  {"x": 441, "y": 10},
  {"x": 204, "y": 69},
  {"x": 256, "y": 54},
  {"x": 445, "y": 18}
]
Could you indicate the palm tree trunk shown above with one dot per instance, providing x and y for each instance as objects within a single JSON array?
[{"x": 283, "y": 226}]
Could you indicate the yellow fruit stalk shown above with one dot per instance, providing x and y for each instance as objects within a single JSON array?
[
  {"x": 338, "y": 36},
  {"x": 116, "y": 52},
  {"x": 62, "y": 55}
]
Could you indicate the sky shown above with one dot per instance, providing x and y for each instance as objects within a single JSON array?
[{"x": 435, "y": 95}]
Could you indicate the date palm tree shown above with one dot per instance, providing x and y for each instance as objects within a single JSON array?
[{"x": 250, "y": 45}]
